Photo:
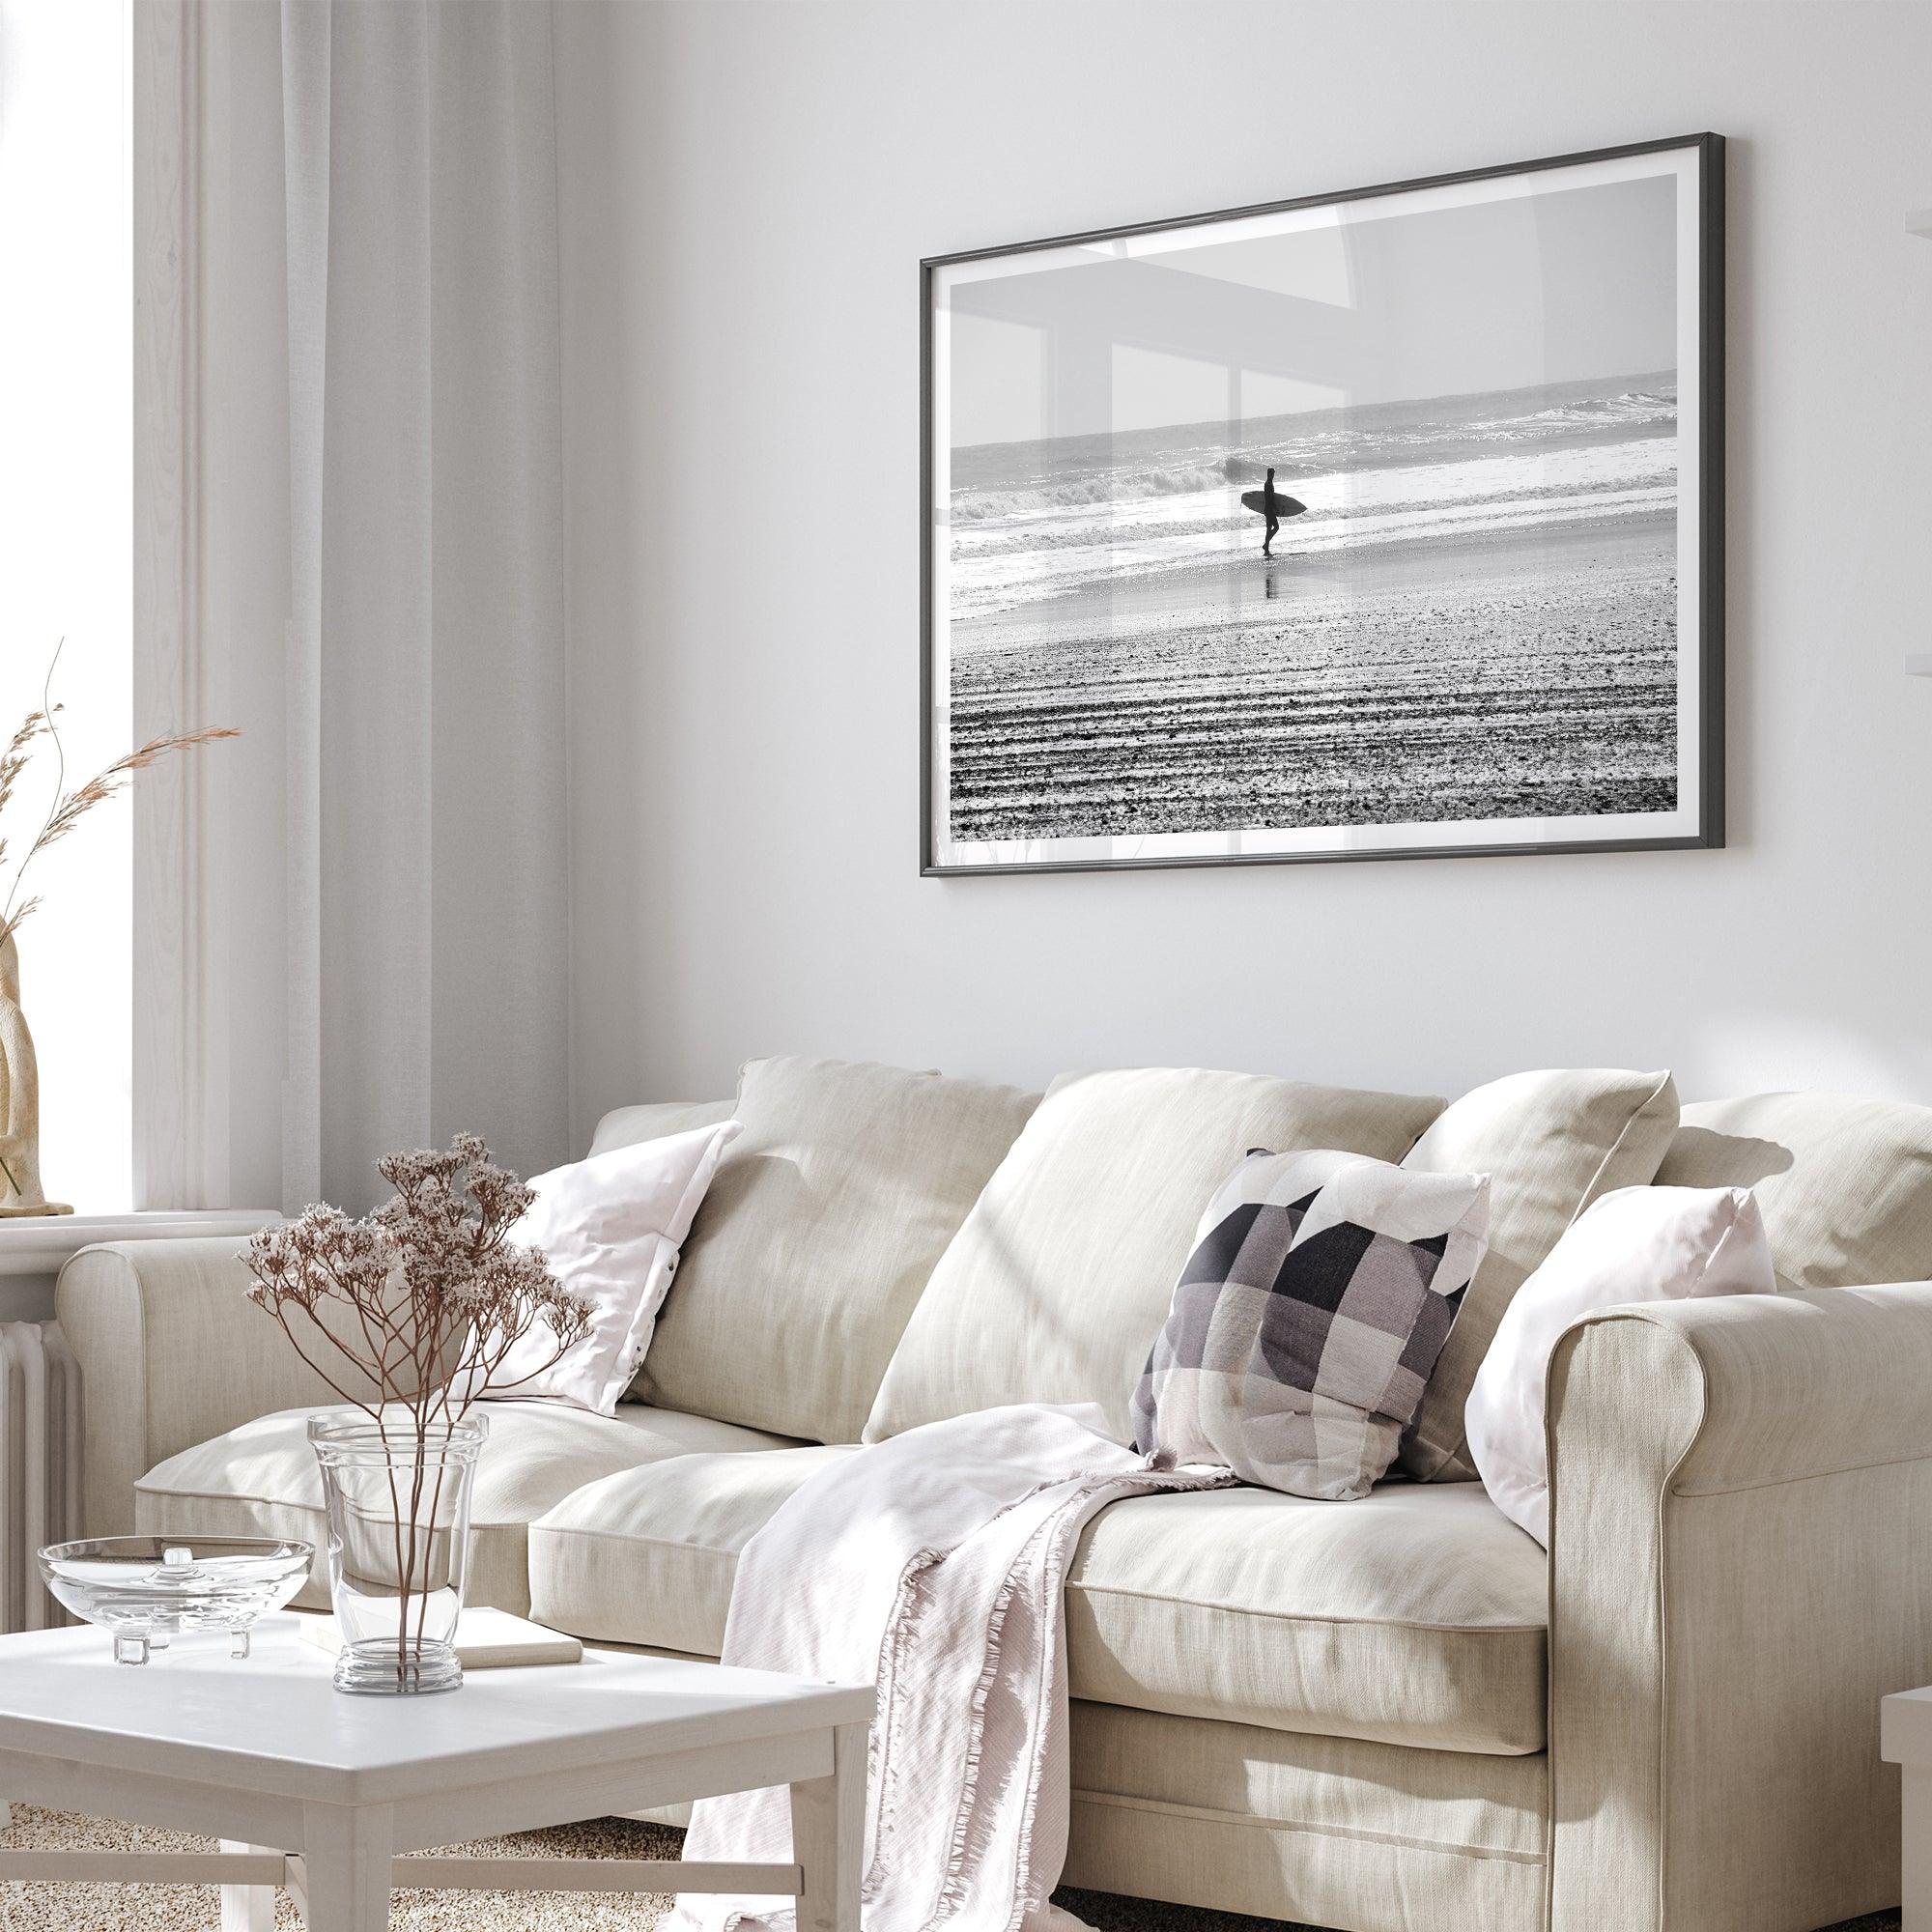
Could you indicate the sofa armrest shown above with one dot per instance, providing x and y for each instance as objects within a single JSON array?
[
  {"x": 171, "y": 1352},
  {"x": 1741, "y": 1567}
]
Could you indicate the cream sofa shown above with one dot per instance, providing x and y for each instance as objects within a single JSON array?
[{"x": 1397, "y": 1713}]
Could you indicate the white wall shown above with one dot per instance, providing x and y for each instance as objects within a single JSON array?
[{"x": 746, "y": 190}]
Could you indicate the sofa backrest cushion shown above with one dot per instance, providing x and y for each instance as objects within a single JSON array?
[
  {"x": 1550, "y": 1143},
  {"x": 817, "y": 1235},
  {"x": 628, "y": 1126},
  {"x": 1844, "y": 1184},
  {"x": 1061, "y": 1278}
]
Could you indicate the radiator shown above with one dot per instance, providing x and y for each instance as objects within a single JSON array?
[{"x": 39, "y": 1466}]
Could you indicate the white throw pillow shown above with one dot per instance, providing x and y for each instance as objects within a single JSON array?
[
  {"x": 1638, "y": 1244},
  {"x": 611, "y": 1227}
]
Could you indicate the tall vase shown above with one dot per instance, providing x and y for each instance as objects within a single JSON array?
[
  {"x": 19, "y": 1100},
  {"x": 397, "y": 1492}
]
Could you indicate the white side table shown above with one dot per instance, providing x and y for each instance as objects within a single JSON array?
[
  {"x": 317, "y": 1792},
  {"x": 1905, "y": 1739}
]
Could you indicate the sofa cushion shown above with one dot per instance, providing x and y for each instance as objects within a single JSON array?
[
  {"x": 626, "y": 1127},
  {"x": 1414, "y": 1616},
  {"x": 261, "y": 1480},
  {"x": 1551, "y": 1143},
  {"x": 816, "y": 1238},
  {"x": 651, "y": 1562},
  {"x": 1844, "y": 1184},
  {"x": 1060, "y": 1280}
]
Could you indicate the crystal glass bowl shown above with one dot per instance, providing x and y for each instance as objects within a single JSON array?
[{"x": 143, "y": 1590}]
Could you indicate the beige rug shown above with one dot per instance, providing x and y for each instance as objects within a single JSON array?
[
  {"x": 191, "y": 1908},
  {"x": 194, "y": 1908}
]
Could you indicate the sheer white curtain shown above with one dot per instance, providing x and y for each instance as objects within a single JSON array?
[
  {"x": 368, "y": 470},
  {"x": 427, "y": 924}
]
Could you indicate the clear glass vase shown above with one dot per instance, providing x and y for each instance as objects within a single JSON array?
[{"x": 397, "y": 1493}]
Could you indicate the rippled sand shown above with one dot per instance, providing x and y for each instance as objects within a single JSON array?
[{"x": 1520, "y": 677}]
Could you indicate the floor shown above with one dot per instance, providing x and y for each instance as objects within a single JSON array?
[{"x": 96, "y": 1907}]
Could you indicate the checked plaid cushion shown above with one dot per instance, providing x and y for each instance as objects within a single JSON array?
[{"x": 1307, "y": 1319}]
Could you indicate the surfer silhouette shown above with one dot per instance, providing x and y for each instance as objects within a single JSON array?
[{"x": 1268, "y": 503}]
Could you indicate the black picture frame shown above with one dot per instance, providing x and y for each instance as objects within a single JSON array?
[{"x": 1705, "y": 153}]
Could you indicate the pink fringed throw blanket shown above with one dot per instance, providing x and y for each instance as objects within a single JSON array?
[{"x": 933, "y": 1563}]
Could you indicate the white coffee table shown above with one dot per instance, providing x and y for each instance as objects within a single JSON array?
[
  {"x": 317, "y": 1791},
  {"x": 1905, "y": 1739}
]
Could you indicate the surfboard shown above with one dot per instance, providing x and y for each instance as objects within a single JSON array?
[{"x": 1284, "y": 506}]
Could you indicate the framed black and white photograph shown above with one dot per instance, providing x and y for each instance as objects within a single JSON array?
[{"x": 1377, "y": 525}]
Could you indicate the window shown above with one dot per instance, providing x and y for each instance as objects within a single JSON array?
[{"x": 66, "y": 442}]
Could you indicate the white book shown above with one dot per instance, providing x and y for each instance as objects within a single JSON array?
[{"x": 484, "y": 1641}]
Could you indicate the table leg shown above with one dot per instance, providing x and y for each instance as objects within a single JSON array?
[
  {"x": 345, "y": 1867},
  {"x": 828, "y": 1833},
  {"x": 247, "y": 1908},
  {"x": 1917, "y": 1845}
]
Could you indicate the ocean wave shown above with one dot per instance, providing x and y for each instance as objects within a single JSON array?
[
  {"x": 1633, "y": 405},
  {"x": 1107, "y": 486},
  {"x": 1186, "y": 469}
]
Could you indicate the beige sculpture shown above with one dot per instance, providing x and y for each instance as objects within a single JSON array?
[{"x": 19, "y": 1100}]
